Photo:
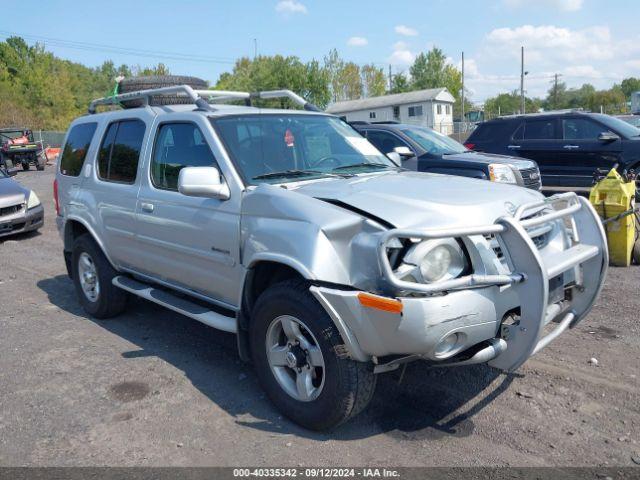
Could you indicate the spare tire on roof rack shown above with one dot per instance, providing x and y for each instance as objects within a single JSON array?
[{"x": 135, "y": 84}]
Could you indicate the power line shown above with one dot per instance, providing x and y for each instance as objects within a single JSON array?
[{"x": 97, "y": 47}]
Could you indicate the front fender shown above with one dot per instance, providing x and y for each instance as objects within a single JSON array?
[{"x": 321, "y": 241}]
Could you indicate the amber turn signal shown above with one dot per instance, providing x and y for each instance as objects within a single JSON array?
[{"x": 381, "y": 303}]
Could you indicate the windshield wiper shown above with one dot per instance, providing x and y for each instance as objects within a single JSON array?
[
  {"x": 289, "y": 173},
  {"x": 362, "y": 165}
]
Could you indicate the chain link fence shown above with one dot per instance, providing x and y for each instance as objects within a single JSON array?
[{"x": 49, "y": 138}]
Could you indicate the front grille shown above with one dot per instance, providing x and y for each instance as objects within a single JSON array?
[
  {"x": 531, "y": 178},
  {"x": 495, "y": 246},
  {"x": 13, "y": 209}
]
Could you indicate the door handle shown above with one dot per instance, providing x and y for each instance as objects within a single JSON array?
[
  {"x": 571, "y": 147},
  {"x": 513, "y": 147},
  {"x": 147, "y": 207}
]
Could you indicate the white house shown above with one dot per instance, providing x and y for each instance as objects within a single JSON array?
[{"x": 430, "y": 108}]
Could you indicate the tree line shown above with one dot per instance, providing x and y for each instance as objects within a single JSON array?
[
  {"x": 41, "y": 91},
  {"x": 612, "y": 101}
]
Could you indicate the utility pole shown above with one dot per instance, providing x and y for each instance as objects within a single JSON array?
[
  {"x": 462, "y": 95},
  {"x": 255, "y": 48},
  {"x": 390, "y": 80},
  {"x": 555, "y": 91},
  {"x": 522, "y": 108}
]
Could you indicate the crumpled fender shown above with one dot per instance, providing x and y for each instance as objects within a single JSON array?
[{"x": 321, "y": 241}]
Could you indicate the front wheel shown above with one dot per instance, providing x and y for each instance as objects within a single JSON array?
[
  {"x": 26, "y": 166},
  {"x": 296, "y": 350}
]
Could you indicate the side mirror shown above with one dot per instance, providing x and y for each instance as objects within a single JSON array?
[
  {"x": 202, "y": 182},
  {"x": 404, "y": 152},
  {"x": 608, "y": 137},
  {"x": 394, "y": 157}
]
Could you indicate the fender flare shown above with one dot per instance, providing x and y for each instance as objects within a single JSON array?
[
  {"x": 91, "y": 231},
  {"x": 285, "y": 260}
]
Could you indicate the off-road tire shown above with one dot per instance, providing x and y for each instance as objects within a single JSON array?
[
  {"x": 348, "y": 385},
  {"x": 135, "y": 84},
  {"x": 635, "y": 255},
  {"x": 41, "y": 160},
  {"x": 111, "y": 300}
]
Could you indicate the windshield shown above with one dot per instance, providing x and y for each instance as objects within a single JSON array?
[
  {"x": 632, "y": 120},
  {"x": 433, "y": 142},
  {"x": 3, "y": 174},
  {"x": 12, "y": 134},
  {"x": 292, "y": 147},
  {"x": 619, "y": 126}
]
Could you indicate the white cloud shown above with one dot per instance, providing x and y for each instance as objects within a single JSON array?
[
  {"x": 290, "y": 7},
  {"x": 633, "y": 64},
  {"x": 582, "y": 71},
  {"x": 470, "y": 68},
  {"x": 357, "y": 42},
  {"x": 562, "y": 5},
  {"x": 406, "y": 31},
  {"x": 401, "y": 56},
  {"x": 550, "y": 44},
  {"x": 594, "y": 54}
]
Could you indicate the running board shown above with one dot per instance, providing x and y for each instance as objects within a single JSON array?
[{"x": 177, "y": 304}]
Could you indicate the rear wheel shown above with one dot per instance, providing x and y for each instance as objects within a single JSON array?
[
  {"x": 294, "y": 347},
  {"x": 92, "y": 277}
]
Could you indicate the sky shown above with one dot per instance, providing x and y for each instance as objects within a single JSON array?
[{"x": 585, "y": 41}]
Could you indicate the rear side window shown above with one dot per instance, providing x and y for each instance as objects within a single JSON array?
[
  {"x": 540, "y": 129},
  {"x": 178, "y": 145},
  {"x": 76, "y": 148},
  {"x": 120, "y": 151},
  {"x": 485, "y": 132}
]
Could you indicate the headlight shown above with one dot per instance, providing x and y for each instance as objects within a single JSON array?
[
  {"x": 433, "y": 260},
  {"x": 33, "y": 201},
  {"x": 501, "y": 173}
]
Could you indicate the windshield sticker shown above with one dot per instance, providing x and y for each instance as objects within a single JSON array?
[
  {"x": 362, "y": 145},
  {"x": 288, "y": 138}
]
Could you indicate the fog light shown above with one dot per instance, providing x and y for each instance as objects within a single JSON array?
[{"x": 447, "y": 345}]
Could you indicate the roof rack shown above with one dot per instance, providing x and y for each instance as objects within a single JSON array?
[
  {"x": 559, "y": 111},
  {"x": 202, "y": 98}
]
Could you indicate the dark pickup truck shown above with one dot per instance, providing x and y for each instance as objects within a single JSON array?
[{"x": 425, "y": 150}]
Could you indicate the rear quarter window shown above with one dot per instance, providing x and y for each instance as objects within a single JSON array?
[
  {"x": 76, "y": 148},
  {"x": 119, "y": 153},
  {"x": 485, "y": 132}
]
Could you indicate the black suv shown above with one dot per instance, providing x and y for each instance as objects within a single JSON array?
[
  {"x": 569, "y": 147},
  {"x": 425, "y": 150}
]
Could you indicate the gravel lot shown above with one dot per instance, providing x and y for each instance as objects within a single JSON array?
[{"x": 154, "y": 388}]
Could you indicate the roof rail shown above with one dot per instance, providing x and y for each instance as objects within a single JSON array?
[{"x": 202, "y": 98}]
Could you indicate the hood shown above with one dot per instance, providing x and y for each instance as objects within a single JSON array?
[
  {"x": 487, "y": 158},
  {"x": 423, "y": 200},
  {"x": 11, "y": 192}
]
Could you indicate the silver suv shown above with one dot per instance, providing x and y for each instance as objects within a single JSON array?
[{"x": 329, "y": 262}]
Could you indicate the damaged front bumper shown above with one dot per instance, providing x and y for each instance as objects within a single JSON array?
[{"x": 492, "y": 316}]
